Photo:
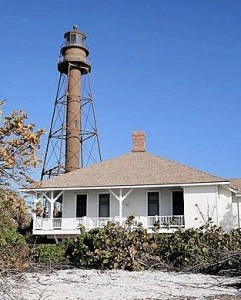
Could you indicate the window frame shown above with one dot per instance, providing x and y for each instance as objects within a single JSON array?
[
  {"x": 98, "y": 204},
  {"x": 147, "y": 202}
]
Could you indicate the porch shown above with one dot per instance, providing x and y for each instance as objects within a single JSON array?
[{"x": 60, "y": 226}]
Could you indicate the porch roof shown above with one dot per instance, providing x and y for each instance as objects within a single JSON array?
[{"x": 132, "y": 169}]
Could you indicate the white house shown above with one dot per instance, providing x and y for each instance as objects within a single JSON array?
[{"x": 141, "y": 184}]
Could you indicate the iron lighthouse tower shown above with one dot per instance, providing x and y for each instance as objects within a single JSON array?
[{"x": 73, "y": 137}]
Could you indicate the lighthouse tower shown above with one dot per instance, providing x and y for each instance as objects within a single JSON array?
[{"x": 73, "y": 137}]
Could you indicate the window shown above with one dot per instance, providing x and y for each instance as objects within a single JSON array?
[
  {"x": 73, "y": 38},
  {"x": 153, "y": 204},
  {"x": 81, "y": 205},
  {"x": 79, "y": 39},
  {"x": 104, "y": 205},
  {"x": 177, "y": 203}
]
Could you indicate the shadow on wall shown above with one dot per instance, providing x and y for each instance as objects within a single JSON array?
[{"x": 227, "y": 220}]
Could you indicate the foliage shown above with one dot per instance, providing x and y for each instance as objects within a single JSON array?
[
  {"x": 206, "y": 249},
  {"x": 13, "y": 216},
  {"x": 48, "y": 253},
  {"x": 13, "y": 248},
  {"x": 14, "y": 209},
  {"x": 113, "y": 247},
  {"x": 39, "y": 209},
  {"x": 19, "y": 143}
]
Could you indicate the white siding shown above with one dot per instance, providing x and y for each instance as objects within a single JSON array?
[
  {"x": 225, "y": 215},
  {"x": 114, "y": 206},
  {"x": 69, "y": 204},
  {"x": 92, "y": 208},
  {"x": 166, "y": 202},
  {"x": 202, "y": 202},
  {"x": 135, "y": 204},
  {"x": 236, "y": 208},
  {"x": 199, "y": 205}
]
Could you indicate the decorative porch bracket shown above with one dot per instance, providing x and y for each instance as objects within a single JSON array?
[
  {"x": 51, "y": 200},
  {"x": 121, "y": 198}
]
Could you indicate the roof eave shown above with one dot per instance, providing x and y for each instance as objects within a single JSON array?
[{"x": 125, "y": 186}]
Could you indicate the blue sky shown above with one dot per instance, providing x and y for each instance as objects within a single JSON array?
[{"x": 168, "y": 67}]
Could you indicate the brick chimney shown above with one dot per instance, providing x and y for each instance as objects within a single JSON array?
[{"x": 138, "y": 141}]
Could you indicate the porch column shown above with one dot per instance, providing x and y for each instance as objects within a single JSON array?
[
  {"x": 121, "y": 198},
  {"x": 34, "y": 210},
  {"x": 120, "y": 212},
  {"x": 120, "y": 207},
  {"x": 238, "y": 211},
  {"x": 51, "y": 216},
  {"x": 217, "y": 212},
  {"x": 184, "y": 204}
]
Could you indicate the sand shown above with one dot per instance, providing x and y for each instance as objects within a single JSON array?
[{"x": 116, "y": 285}]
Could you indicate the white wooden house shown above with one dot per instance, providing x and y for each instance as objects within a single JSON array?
[{"x": 141, "y": 184}]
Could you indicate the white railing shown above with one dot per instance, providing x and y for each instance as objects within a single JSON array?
[
  {"x": 57, "y": 223},
  {"x": 166, "y": 221},
  {"x": 94, "y": 222}
]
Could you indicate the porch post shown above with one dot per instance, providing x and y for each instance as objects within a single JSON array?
[
  {"x": 184, "y": 204},
  {"x": 34, "y": 211},
  {"x": 238, "y": 212},
  {"x": 51, "y": 209},
  {"x": 217, "y": 212},
  {"x": 120, "y": 206}
]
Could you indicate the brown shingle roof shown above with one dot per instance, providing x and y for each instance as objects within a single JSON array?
[
  {"x": 132, "y": 169},
  {"x": 235, "y": 183}
]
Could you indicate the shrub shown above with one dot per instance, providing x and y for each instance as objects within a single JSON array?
[
  {"x": 49, "y": 253},
  {"x": 206, "y": 249},
  {"x": 13, "y": 248},
  {"x": 113, "y": 247}
]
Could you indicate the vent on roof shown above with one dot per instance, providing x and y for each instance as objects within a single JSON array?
[{"x": 138, "y": 141}]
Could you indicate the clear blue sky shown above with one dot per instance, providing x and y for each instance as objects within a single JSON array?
[{"x": 171, "y": 68}]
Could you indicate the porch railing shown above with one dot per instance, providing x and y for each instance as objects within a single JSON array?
[
  {"x": 169, "y": 221},
  {"x": 94, "y": 222}
]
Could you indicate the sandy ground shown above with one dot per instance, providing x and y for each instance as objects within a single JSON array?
[{"x": 92, "y": 284}]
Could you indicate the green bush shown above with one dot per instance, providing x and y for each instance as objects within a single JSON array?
[
  {"x": 49, "y": 253},
  {"x": 14, "y": 250},
  {"x": 207, "y": 249},
  {"x": 113, "y": 247}
]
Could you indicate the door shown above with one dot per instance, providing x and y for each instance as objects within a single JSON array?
[
  {"x": 104, "y": 205},
  {"x": 177, "y": 203},
  {"x": 153, "y": 203},
  {"x": 81, "y": 206}
]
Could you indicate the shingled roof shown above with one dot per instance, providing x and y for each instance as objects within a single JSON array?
[
  {"x": 235, "y": 183},
  {"x": 133, "y": 169}
]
